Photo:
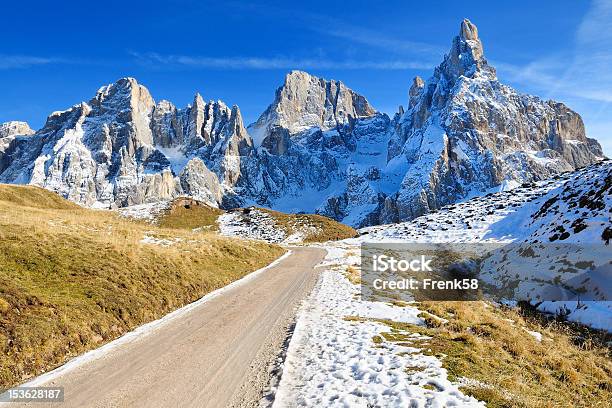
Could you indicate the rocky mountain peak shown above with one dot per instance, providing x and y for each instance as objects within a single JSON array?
[
  {"x": 9, "y": 131},
  {"x": 198, "y": 101},
  {"x": 15, "y": 128},
  {"x": 130, "y": 106},
  {"x": 466, "y": 56},
  {"x": 239, "y": 141},
  {"x": 468, "y": 32},
  {"x": 236, "y": 120},
  {"x": 125, "y": 89},
  {"x": 164, "y": 106},
  {"x": 306, "y": 102}
]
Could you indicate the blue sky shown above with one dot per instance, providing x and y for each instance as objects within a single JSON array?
[{"x": 55, "y": 54}]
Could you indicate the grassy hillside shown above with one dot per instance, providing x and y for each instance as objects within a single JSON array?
[
  {"x": 190, "y": 217},
  {"x": 72, "y": 279},
  {"x": 323, "y": 228}
]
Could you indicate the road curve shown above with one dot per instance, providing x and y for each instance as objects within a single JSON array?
[{"x": 216, "y": 355}]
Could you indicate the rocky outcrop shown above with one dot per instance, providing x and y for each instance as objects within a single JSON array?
[
  {"x": 14, "y": 128},
  {"x": 9, "y": 131},
  {"x": 196, "y": 180}
]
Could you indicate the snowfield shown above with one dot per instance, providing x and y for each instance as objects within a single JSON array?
[
  {"x": 333, "y": 360},
  {"x": 469, "y": 221}
]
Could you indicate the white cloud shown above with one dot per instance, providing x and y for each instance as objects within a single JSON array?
[
  {"x": 23, "y": 61},
  {"x": 376, "y": 39},
  {"x": 261, "y": 63},
  {"x": 583, "y": 71},
  {"x": 596, "y": 27}
]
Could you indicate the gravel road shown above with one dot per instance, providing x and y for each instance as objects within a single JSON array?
[{"x": 218, "y": 354}]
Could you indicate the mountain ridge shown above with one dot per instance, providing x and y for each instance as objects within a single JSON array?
[{"x": 320, "y": 147}]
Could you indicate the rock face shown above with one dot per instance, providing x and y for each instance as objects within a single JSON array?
[
  {"x": 305, "y": 102},
  {"x": 14, "y": 128},
  {"x": 9, "y": 131},
  {"x": 319, "y": 147}
]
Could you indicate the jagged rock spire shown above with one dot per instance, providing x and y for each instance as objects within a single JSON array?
[
  {"x": 196, "y": 119},
  {"x": 415, "y": 90},
  {"x": 466, "y": 56},
  {"x": 469, "y": 31}
]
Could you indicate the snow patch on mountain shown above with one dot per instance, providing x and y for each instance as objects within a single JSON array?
[
  {"x": 254, "y": 225},
  {"x": 149, "y": 212}
]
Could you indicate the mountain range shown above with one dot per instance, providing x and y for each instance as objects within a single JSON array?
[{"x": 320, "y": 147}]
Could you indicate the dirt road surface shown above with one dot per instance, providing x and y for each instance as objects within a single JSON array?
[{"x": 218, "y": 354}]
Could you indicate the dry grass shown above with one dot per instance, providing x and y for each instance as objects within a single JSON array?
[
  {"x": 193, "y": 217},
  {"x": 353, "y": 275},
  {"x": 72, "y": 279},
  {"x": 511, "y": 368},
  {"x": 318, "y": 227}
]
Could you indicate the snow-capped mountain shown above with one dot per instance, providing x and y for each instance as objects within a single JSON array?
[
  {"x": 571, "y": 207},
  {"x": 319, "y": 147},
  {"x": 122, "y": 148},
  {"x": 464, "y": 131}
]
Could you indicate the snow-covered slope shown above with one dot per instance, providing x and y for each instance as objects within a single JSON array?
[
  {"x": 569, "y": 207},
  {"x": 567, "y": 218},
  {"x": 277, "y": 227},
  {"x": 468, "y": 221},
  {"x": 320, "y": 147},
  {"x": 333, "y": 359},
  {"x": 577, "y": 211},
  {"x": 254, "y": 224}
]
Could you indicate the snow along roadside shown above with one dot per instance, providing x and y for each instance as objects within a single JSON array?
[
  {"x": 144, "y": 330},
  {"x": 333, "y": 361}
]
